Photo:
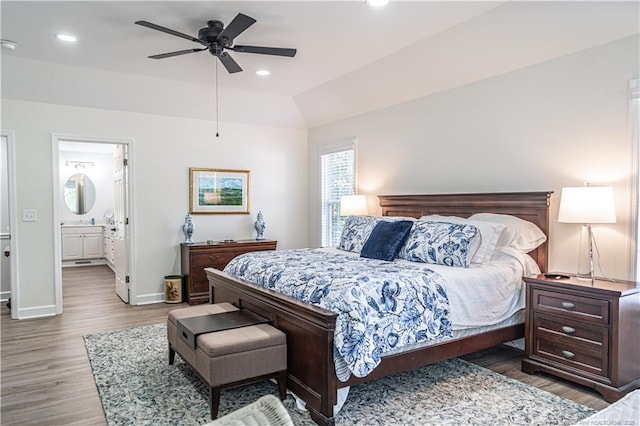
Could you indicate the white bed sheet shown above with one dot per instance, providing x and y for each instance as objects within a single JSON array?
[{"x": 483, "y": 294}]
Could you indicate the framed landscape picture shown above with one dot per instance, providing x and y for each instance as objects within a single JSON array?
[{"x": 218, "y": 191}]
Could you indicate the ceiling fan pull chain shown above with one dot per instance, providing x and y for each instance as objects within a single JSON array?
[{"x": 217, "y": 122}]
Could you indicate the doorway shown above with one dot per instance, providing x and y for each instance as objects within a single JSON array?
[
  {"x": 92, "y": 180},
  {"x": 8, "y": 226}
]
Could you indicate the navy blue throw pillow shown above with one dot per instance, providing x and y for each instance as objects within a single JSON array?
[{"x": 386, "y": 239}]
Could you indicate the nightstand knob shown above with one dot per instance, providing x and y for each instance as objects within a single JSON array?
[
  {"x": 568, "y": 354},
  {"x": 568, "y": 330},
  {"x": 212, "y": 257},
  {"x": 568, "y": 305}
]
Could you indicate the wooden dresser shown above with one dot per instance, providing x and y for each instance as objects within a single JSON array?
[
  {"x": 586, "y": 332},
  {"x": 197, "y": 256}
]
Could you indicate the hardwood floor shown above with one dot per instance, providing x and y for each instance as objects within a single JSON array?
[
  {"x": 45, "y": 374},
  {"x": 46, "y": 379}
]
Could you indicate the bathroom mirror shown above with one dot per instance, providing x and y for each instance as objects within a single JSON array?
[{"x": 79, "y": 193}]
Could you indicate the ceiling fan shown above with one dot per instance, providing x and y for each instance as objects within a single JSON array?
[{"x": 216, "y": 39}]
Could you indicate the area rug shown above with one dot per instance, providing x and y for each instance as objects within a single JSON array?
[{"x": 137, "y": 386}]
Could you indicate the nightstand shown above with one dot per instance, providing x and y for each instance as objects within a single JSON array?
[
  {"x": 586, "y": 332},
  {"x": 197, "y": 256}
]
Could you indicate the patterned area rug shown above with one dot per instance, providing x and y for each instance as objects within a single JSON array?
[{"x": 138, "y": 387}]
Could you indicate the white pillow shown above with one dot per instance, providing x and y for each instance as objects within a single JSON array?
[
  {"x": 489, "y": 234},
  {"x": 520, "y": 234}
]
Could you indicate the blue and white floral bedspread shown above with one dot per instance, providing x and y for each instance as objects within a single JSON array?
[{"x": 381, "y": 305}]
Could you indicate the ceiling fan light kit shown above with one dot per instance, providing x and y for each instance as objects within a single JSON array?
[{"x": 216, "y": 38}]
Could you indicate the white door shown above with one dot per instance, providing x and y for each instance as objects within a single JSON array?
[{"x": 120, "y": 217}]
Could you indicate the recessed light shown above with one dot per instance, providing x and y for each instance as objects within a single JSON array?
[
  {"x": 263, "y": 72},
  {"x": 8, "y": 44},
  {"x": 66, "y": 37},
  {"x": 376, "y": 3}
]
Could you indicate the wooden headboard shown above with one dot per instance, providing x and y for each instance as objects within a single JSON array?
[{"x": 531, "y": 206}]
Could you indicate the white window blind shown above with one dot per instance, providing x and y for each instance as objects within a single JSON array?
[{"x": 337, "y": 168}]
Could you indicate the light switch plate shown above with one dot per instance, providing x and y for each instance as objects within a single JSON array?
[{"x": 29, "y": 215}]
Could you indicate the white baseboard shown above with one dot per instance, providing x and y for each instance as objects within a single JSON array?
[
  {"x": 37, "y": 312},
  {"x": 147, "y": 299},
  {"x": 5, "y": 295}
]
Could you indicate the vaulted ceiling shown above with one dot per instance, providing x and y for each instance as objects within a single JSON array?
[{"x": 351, "y": 58}]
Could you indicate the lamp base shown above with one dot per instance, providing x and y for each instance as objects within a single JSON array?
[
  {"x": 585, "y": 257},
  {"x": 585, "y": 277}
]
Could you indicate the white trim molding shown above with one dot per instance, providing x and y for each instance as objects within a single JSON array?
[
  {"x": 634, "y": 142},
  {"x": 36, "y": 311},
  {"x": 148, "y": 299},
  {"x": 56, "y": 138},
  {"x": 13, "y": 222}
]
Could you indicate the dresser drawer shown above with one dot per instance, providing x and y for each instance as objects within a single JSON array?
[
  {"x": 212, "y": 258},
  {"x": 566, "y": 327},
  {"x": 200, "y": 287},
  {"x": 571, "y": 306},
  {"x": 198, "y": 273},
  {"x": 581, "y": 354}
]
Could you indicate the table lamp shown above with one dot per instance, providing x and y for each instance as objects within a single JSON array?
[
  {"x": 587, "y": 205},
  {"x": 353, "y": 205}
]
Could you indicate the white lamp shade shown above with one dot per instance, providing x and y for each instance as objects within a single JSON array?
[
  {"x": 353, "y": 205},
  {"x": 587, "y": 204}
]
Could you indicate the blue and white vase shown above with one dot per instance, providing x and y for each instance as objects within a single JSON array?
[
  {"x": 260, "y": 225},
  {"x": 188, "y": 228}
]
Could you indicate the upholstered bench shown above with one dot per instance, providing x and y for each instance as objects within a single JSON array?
[{"x": 230, "y": 357}]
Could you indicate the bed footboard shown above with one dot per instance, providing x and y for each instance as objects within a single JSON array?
[{"x": 309, "y": 330}]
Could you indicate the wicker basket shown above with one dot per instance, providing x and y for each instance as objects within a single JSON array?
[{"x": 266, "y": 411}]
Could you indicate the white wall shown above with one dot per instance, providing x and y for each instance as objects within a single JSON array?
[
  {"x": 555, "y": 124},
  {"x": 163, "y": 150}
]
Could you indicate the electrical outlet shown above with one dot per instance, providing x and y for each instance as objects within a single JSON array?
[{"x": 29, "y": 215}]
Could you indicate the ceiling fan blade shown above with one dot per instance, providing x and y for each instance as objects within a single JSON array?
[
  {"x": 239, "y": 24},
  {"x": 179, "y": 52},
  {"x": 168, "y": 31},
  {"x": 228, "y": 62},
  {"x": 265, "y": 50}
]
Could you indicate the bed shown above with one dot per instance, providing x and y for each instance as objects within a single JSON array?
[{"x": 311, "y": 329}]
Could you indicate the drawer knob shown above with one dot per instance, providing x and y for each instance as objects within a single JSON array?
[
  {"x": 212, "y": 257},
  {"x": 568, "y": 330},
  {"x": 568, "y": 354},
  {"x": 568, "y": 305}
]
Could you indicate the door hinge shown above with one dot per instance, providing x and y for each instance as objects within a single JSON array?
[
  {"x": 126, "y": 220},
  {"x": 126, "y": 279},
  {"x": 125, "y": 161}
]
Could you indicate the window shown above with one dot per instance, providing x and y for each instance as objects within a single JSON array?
[{"x": 337, "y": 177}]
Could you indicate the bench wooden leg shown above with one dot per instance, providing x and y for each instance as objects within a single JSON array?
[
  {"x": 214, "y": 401},
  {"x": 172, "y": 355},
  {"x": 282, "y": 384}
]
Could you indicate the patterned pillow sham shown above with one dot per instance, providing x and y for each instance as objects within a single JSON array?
[
  {"x": 357, "y": 230},
  {"x": 440, "y": 243},
  {"x": 483, "y": 246}
]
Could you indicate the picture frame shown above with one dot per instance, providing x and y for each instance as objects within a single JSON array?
[{"x": 218, "y": 191}]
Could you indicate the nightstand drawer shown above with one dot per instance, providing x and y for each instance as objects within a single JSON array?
[
  {"x": 571, "y": 306},
  {"x": 580, "y": 354},
  {"x": 569, "y": 328}
]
